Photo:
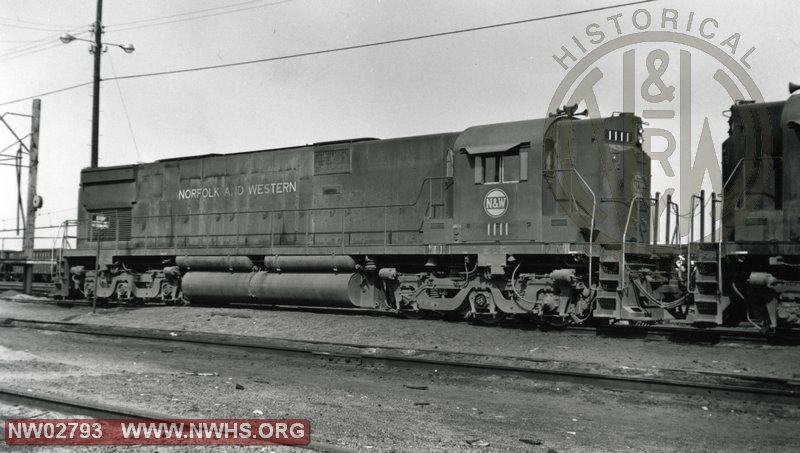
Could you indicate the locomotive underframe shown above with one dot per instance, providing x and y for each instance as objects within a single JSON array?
[
  {"x": 749, "y": 278},
  {"x": 485, "y": 282}
]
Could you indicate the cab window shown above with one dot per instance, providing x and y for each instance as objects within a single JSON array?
[{"x": 507, "y": 167}]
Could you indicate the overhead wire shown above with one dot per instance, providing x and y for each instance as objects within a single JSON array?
[
  {"x": 38, "y": 45},
  {"x": 125, "y": 109},
  {"x": 28, "y": 22},
  {"x": 12, "y": 145},
  {"x": 162, "y": 20},
  {"x": 30, "y": 27},
  {"x": 339, "y": 49},
  {"x": 58, "y": 211},
  {"x": 46, "y": 93},
  {"x": 17, "y": 41},
  {"x": 47, "y": 39},
  {"x": 33, "y": 50},
  {"x": 380, "y": 43}
]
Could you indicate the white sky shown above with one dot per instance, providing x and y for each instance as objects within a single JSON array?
[{"x": 440, "y": 84}]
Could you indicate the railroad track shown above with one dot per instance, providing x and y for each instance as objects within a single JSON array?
[
  {"x": 690, "y": 334},
  {"x": 77, "y": 406},
  {"x": 39, "y": 289},
  {"x": 675, "y": 333},
  {"x": 708, "y": 384}
]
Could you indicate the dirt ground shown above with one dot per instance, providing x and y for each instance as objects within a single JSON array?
[
  {"x": 384, "y": 330},
  {"x": 387, "y": 409}
]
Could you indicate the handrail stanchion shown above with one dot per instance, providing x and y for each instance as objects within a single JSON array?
[
  {"x": 594, "y": 207},
  {"x": 656, "y": 218},
  {"x": 624, "y": 237},
  {"x": 702, "y": 216},
  {"x": 669, "y": 217}
]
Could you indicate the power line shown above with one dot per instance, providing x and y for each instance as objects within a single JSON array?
[
  {"x": 200, "y": 17},
  {"x": 378, "y": 43},
  {"x": 47, "y": 93},
  {"x": 39, "y": 44},
  {"x": 126, "y": 26},
  {"x": 125, "y": 109},
  {"x": 332, "y": 50},
  {"x": 19, "y": 41},
  {"x": 30, "y": 27},
  {"x": 46, "y": 40},
  {"x": 58, "y": 211},
  {"x": 8, "y": 19},
  {"x": 31, "y": 51}
]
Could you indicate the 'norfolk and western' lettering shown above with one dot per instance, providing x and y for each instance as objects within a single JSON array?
[{"x": 270, "y": 188}]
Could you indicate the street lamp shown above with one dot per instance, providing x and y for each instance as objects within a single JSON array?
[{"x": 67, "y": 38}]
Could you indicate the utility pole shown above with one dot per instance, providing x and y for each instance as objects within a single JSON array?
[
  {"x": 34, "y": 201},
  {"x": 98, "y": 52},
  {"x": 97, "y": 47}
]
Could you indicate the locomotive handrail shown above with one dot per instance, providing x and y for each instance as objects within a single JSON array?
[
  {"x": 57, "y": 254},
  {"x": 739, "y": 164},
  {"x": 624, "y": 236},
  {"x": 594, "y": 206},
  {"x": 722, "y": 195},
  {"x": 691, "y": 237}
]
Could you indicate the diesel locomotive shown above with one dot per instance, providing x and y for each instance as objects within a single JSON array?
[
  {"x": 550, "y": 218},
  {"x": 754, "y": 265}
]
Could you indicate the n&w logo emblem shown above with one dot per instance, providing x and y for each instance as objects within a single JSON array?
[{"x": 495, "y": 203}]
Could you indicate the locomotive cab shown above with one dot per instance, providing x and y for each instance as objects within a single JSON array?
[{"x": 538, "y": 182}]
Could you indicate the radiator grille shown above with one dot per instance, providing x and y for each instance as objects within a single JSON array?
[{"x": 119, "y": 225}]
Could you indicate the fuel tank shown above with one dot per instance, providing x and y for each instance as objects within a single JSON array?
[{"x": 347, "y": 290}]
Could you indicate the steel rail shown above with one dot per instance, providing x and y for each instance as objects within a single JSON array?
[
  {"x": 39, "y": 288},
  {"x": 762, "y": 389},
  {"x": 675, "y": 332},
  {"x": 689, "y": 334}
]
